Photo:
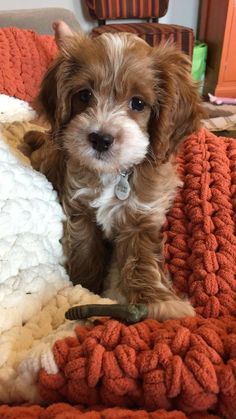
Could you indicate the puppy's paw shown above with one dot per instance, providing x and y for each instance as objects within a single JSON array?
[{"x": 170, "y": 309}]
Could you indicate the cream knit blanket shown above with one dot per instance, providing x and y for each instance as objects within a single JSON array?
[{"x": 35, "y": 290}]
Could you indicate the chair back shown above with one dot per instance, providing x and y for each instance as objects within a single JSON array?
[{"x": 127, "y": 9}]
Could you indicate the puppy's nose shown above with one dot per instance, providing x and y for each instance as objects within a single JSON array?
[{"x": 100, "y": 142}]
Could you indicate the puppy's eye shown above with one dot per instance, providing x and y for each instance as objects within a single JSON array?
[
  {"x": 137, "y": 104},
  {"x": 84, "y": 95}
]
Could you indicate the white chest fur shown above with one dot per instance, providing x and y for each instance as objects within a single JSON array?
[
  {"x": 110, "y": 210},
  {"x": 107, "y": 205}
]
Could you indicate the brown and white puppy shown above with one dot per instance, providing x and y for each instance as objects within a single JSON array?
[{"x": 118, "y": 110}]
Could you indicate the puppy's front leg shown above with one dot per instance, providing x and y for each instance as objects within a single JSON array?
[
  {"x": 88, "y": 254},
  {"x": 138, "y": 251}
]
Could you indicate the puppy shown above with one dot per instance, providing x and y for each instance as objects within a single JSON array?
[{"x": 118, "y": 110}]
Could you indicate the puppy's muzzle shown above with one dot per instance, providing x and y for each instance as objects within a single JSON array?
[{"x": 100, "y": 142}]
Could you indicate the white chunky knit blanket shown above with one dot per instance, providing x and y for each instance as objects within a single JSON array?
[{"x": 35, "y": 290}]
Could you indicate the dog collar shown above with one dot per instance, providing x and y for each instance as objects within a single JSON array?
[{"x": 122, "y": 188}]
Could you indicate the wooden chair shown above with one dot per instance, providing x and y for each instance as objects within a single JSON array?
[{"x": 149, "y": 30}]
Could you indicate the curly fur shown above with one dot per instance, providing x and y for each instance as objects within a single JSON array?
[{"x": 115, "y": 246}]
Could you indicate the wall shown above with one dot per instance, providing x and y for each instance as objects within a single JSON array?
[{"x": 181, "y": 12}]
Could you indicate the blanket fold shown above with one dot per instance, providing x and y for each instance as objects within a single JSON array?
[{"x": 188, "y": 365}]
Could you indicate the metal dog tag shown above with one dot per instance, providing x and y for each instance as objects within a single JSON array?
[{"x": 122, "y": 189}]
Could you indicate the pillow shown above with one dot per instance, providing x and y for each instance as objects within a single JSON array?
[{"x": 24, "y": 57}]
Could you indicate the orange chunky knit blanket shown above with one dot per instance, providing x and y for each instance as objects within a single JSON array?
[
  {"x": 182, "y": 368},
  {"x": 24, "y": 58}
]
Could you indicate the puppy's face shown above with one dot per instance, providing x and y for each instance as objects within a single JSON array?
[
  {"x": 113, "y": 99},
  {"x": 111, "y": 103}
]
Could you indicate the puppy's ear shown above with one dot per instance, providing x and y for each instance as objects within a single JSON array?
[
  {"x": 47, "y": 99},
  {"x": 53, "y": 99},
  {"x": 177, "y": 111}
]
